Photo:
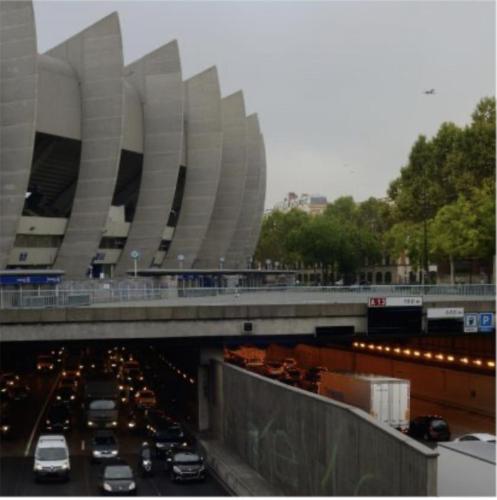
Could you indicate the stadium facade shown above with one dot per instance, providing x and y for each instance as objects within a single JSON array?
[{"x": 99, "y": 160}]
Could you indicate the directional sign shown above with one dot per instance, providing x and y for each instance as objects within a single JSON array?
[
  {"x": 135, "y": 254},
  {"x": 445, "y": 312},
  {"x": 471, "y": 323},
  {"x": 486, "y": 324},
  {"x": 395, "y": 301}
]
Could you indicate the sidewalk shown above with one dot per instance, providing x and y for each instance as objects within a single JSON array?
[{"x": 237, "y": 476}]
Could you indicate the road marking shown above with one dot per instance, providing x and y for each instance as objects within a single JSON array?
[
  {"x": 37, "y": 423},
  {"x": 82, "y": 445}
]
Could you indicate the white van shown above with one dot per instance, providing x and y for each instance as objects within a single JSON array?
[{"x": 51, "y": 457}]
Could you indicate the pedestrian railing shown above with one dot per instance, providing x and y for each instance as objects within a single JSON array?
[{"x": 80, "y": 297}]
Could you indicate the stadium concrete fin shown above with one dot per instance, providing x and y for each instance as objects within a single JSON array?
[
  {"x": 237, "y": 256},
  {"x": 18, "y": 108},
  {"x": 157, "y": 77},
  {"x": 230, "y": 190},
  {"x": 96, "y": 55},
  {"x": 204, "y": 142}
]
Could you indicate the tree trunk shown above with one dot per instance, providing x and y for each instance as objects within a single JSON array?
[{"x": 451, "y": 261}]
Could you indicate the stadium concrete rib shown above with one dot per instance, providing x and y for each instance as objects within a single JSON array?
[
  {"x": 204, "y": 138},
  {"x": 237, "y": 253},
  {"x": 18, "y": 107},
  {"x": 157, "y": 77},
  {"x": 97, "y": 57},
  {"x": 230, "y": 190},
  {"x": 251, "y": 242}
]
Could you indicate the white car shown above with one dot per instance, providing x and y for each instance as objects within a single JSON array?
[
  {"x": 477, "y": 436},
  {"x": 51, "y": 457}
]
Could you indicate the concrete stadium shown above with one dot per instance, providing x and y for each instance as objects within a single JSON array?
[{"x": 98, "y": 159}]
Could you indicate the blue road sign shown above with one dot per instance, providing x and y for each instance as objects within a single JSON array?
[
  {"x": 135, "y": 254},
  {"x": 471, "y": 323},
  {"x": 486, "y": 322}
]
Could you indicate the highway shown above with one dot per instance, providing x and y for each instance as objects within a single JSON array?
[{"x": 28, "y": 416}]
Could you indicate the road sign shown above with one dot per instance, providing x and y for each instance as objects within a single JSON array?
[
  {"x": 395, "y": 301},
  {"x": 486, "y": 324},
  {"x": 445, "y": 312},
  {"x": 377, "y": 301},
  {"x": 471, "y": 323},
  {"x": 135, "y": 254}
]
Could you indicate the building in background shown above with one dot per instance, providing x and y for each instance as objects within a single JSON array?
[
  {"x": 100, "y": 162},
  {"x": 311, "y": 203}
]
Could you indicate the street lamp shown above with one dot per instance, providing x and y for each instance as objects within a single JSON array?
[
  {"x": 268, "y": 263},
  {"x": 180, "y": 258},
  {"x": 221, "y": 262}
]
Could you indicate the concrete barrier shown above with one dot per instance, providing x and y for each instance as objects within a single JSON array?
[{"x": 305, "y": 444}]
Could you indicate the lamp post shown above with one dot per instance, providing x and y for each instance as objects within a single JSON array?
[
  {"x": 268, "y": 263},
  {"x": 180, "y": 259},
  {"x": 221, "y": 262}
]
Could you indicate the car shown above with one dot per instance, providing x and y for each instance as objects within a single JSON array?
[
  {"x": 477, "y": 436},
  {"x": 118, "y": 479},
  {"x": 51, "y": 458},
  {"x": 167, "y": 439},
  {"x": 58, "y": 418},
  {"x": 18, "y": 392},
  {"x": 429, "y": 428},
  {"x": 45, "y": 363},
  {"x": 145, "y": 398},
  {"x": 69, "y": 381},
  {"x": 274, "y": 369},
  {"x": 6, "y": 429},
  {"x": 103, "y": 446},
  {"x": 65, "y": 395},
  {"x": 71, "y": 371},
  {"x": 187, "y": 466},
  {"x": 9, "y": 380},
  {"x": 134, "y": 375}
]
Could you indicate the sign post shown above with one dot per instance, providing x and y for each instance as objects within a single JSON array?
[
  {"x": 471, "y": 323},
  {"x": 135, "y": 255},
  {"x": 486, "y": 324}
]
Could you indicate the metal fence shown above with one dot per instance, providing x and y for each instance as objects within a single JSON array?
[{"x": 80, "y": 296}]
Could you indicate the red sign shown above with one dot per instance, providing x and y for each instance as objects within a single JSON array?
[{"x": 377, "y": 301}]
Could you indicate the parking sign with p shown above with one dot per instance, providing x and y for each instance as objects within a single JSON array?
[{"x": 486, "y": 323}]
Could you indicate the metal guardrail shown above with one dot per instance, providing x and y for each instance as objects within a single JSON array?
[{"x": 79, "y": 297}]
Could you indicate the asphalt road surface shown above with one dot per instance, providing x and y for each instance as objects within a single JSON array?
[{"x": 16, "y": 454}]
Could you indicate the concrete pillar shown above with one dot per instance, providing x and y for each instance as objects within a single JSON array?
[{"x": 210, "y": 391}]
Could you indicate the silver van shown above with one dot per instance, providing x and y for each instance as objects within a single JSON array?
[{"x": 51, "y": 457}]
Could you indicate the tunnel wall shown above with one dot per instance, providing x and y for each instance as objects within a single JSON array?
[
  {"x": 306, "y": 444},
  {"x": 461, "y": 389}
]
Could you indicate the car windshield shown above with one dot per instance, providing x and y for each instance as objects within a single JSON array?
[
  {"x": 169, "y": 434},
  {"x": 102, "y": 404},
  {"x": 439, "y": 425},
  {"x": 51, "y": 454},
  {"x": 104, "y": 440},
  {"x": 118, "y": 472},
  {"x": 184, "y": 459}
]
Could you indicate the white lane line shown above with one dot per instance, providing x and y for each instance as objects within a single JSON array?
[
  {"x": 82, "y": 445},
  {"x": 37, "y": 423}
]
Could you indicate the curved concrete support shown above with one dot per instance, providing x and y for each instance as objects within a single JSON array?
[
  {"x": 236, "y": 255},
  {"x": 18, "y": 106},
  {"x": 230, "y": 190},
  {"x": 204, "y": 138},
  {"x": 252, "y": 240},
  {"x": 157, "y": 76},
  {"x": 97, "y": 57}
]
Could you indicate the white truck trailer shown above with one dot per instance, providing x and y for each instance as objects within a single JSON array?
[{"x": 385, "y": 398}]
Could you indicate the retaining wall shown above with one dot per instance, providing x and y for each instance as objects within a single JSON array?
[{"x": 305, "y": 444}]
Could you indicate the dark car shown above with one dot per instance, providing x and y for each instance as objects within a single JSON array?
[
  {"x": 18, "y": 392},
  {"x": 58, "y": 419},
  {"x": 168, "y": 439},
  {"x": 429, "y": 428},
  {"x": 104, "y": 446},
  {"x": 187, "y": 466},
  {"x": 118, "y": 479},
  {"x": 66, "y": 395}
]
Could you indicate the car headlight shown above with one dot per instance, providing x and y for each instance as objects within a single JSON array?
[
  {"x": 121, "y": 387},
  {"x": 64, "y": 373},
  {"x": 38, "y": 367},
  {"x": 90, "y": 423},
  {"x": 176, "y": 469},
  {"x": 73, "y": 397},
  {"x": 65, "y": 466},
  {"x": 107, "y": 487},
  {"x": 78, "y": 373},
  {"x": 50, "y": 367},
  {"x": 147, "y": 463},
  {"x": 47, "y": 422},
  {"x": 114, "y": 423},
  {"x": 5, "y": 428},
  {"x": 132, "y": 485},
  {"x": 58, "y": 397},
  {"x": 38, "y": 466},
  {"x": 131, "y": 424},
  {"x": 113, "y": 453}
]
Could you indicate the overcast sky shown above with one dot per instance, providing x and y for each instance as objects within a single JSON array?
[{"x": 337, "y": 85}]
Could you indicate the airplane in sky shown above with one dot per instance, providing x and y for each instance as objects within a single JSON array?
[{"x": 429, "y": 92}]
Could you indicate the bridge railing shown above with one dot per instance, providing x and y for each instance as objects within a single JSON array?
[{"x": 80, "y": 297}]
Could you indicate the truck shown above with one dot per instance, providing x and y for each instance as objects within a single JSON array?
[
  {"x": 101, "y": 408},
  {"x": 385, "y": 398}
]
